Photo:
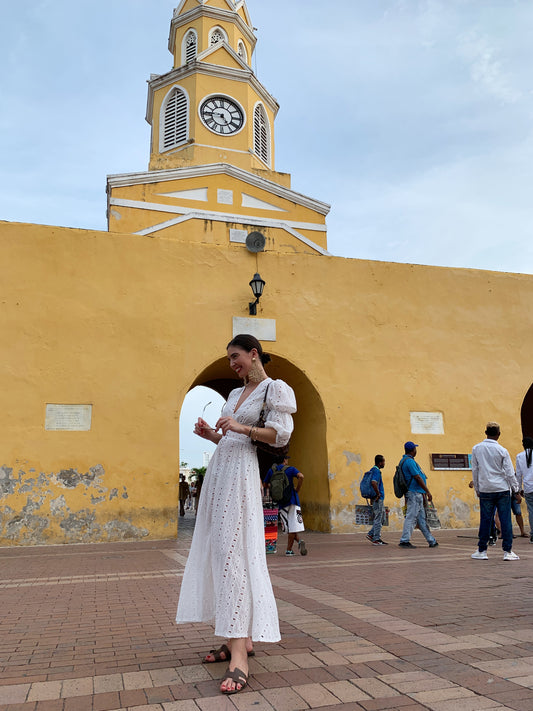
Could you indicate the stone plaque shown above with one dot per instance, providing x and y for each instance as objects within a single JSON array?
[
  {"x": 225, "y": 197},
  {"x": 238, "y": 236},
  {"x": 451, "y": 461},
  {"x": 264, "y": 329},
  {"x": 427, "y": 423},
  {"x": 72, "y": 418}
]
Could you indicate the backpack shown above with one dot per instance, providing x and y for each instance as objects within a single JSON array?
[
  {"x": 399, "y": 482},
  {"x": 365, "y": 487},
  {"x": 280, "y": 486}
]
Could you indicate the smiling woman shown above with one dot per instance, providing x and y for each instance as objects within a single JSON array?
[{"x": 226, "y": 578}]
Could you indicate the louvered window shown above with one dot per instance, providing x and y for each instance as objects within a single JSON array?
[
  {"x": 217, "y": 36},
  {"x": 261, "y": 133},
  {"x": 175, "y": 124},
  {"x": 191, "y": 46}
]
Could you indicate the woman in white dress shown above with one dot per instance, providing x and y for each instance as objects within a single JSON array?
[
  {"x": 524, "y": 474},
  {"x": 226, "y": 579}
]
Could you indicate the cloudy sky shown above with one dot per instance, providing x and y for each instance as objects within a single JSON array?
[{"x": 412, "y": 118}]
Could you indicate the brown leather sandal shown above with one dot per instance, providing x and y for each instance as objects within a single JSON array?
[
  {"x": 217, "y": 654},
  {"x": 239, "y": 677}
]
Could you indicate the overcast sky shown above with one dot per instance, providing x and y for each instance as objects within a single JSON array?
[{"x": 412, "y": 118}]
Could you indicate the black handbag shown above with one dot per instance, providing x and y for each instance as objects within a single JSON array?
[{"x": 264, "y": 446}]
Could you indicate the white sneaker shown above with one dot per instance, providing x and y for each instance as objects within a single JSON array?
[
  {"x": 509, "y": 555},
  {"x": 480, "y": 555}
]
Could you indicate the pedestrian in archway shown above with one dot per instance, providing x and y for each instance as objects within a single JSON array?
[{"x": 183, "y": 493}]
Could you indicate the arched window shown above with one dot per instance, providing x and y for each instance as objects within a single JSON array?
[
  {"x": 217, "y": 35},
  {"x": 261, "y": 134},
  {"x": 190, "y": 46},
  {"x": 175, "y": 127},
  {"x": 241, "y": 51}
]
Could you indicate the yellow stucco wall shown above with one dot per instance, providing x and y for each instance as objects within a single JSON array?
[{"x": 128, "y": 323}]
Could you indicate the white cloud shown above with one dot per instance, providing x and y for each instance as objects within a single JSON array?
[{"x": 486, "y": 68}]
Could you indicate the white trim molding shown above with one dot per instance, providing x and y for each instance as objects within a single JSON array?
[
  {"x": 160, "y": 176},
  {"x": 187, "y": 214}
]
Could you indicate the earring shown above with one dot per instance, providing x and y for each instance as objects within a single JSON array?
[{"x": 255, "y": 374}]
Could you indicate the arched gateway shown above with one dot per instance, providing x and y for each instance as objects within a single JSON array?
[
  {"x": 526, "y": 414},
  {"x": 308, "y": 444}
]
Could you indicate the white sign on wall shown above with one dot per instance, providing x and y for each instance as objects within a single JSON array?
[
  {"x": 71, "y": 418},
  {"x": 264, "y": 329},
  {"x": 427, "y": 423}
]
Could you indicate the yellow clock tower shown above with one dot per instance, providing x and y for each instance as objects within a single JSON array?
[{"x": 212, "y": 145}]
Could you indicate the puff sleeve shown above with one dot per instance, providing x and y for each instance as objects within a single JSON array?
[{"x": 280, "y": 404}]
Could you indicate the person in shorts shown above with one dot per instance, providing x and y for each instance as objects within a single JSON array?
[{"x": 291, "y": 515}]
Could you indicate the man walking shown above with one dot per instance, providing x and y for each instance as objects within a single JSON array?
[
  {"x": 290, "y": 513},
  {"x": 414, "y": 498},
  {"x": 494, "y": 479},
  {"x": 376, "y": 481}
]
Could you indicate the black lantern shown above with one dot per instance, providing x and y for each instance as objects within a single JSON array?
[{"x": 256, "y": 285}]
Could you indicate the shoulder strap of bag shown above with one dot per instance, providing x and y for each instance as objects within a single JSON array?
[{"x": 263, "y": 406}]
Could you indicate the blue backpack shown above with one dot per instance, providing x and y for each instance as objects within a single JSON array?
[{"x": 365, "y": 487}]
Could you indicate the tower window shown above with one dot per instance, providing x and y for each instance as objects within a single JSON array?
[
  {"x": 175, "y": 120},
  {"x": 217, "y": 35},
  {"x": 241, "y": 51},
  {"x": 261, "y": 134},
  {"x": 190, "y": 46}
]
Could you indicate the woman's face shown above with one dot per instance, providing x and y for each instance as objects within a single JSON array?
[{"x": 240, "y": 360}]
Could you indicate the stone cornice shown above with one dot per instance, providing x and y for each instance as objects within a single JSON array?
[
  {"x": 215, "y": 70},
  {"x": 159, "y": 176}
]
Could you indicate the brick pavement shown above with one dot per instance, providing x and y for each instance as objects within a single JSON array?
[{"x": 91, "y": 628}]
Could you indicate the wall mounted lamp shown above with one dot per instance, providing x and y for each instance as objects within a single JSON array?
[{"x": 256, "y": 285}]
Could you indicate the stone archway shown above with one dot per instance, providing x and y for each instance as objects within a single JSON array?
[
  {"x": 526, "y": 414},
  {"x": 308, "y": 443}
]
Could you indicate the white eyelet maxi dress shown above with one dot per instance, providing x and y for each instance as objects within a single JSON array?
[{"x": 226, "y": 579}]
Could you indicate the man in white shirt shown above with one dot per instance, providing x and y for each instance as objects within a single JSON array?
[{"x": 494, "y": 479}]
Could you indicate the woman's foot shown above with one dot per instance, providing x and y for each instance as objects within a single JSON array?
[
  {"x": 234, "y": 681},
  {"x": 236, "y": 676},
  {"x": 223, "y": 653}
]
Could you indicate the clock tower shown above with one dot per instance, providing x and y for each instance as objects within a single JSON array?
[
  {"x": 210, "y": 106},
  {"x": 212, "y": 143}
]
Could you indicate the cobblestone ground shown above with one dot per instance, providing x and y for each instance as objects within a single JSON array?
[{"x": 91, "y": 628}]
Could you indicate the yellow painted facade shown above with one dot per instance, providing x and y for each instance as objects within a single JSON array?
[{"x": 126, "y": 322}]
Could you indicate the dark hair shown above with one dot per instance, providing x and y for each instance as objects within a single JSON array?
[
  {"x": 248, "y": 343},
  {"x": 528, "y": 448},
  {"x": 378, "y": 458},
  {"x": 493, "y": 431}
]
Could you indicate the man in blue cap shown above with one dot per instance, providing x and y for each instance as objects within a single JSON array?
[{"x": 414, "y": 498}]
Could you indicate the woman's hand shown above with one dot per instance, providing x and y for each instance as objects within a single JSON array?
[
  {"x": 228, "y": 424},
  {"x": 204, "y": 430}
]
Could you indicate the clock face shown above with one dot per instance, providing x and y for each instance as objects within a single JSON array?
[{"x": 222, "y": 115}]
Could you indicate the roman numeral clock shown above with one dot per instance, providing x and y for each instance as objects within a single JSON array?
[{"x": 221, "y": 115}]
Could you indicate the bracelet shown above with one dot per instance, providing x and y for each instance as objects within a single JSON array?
[{"x": 251, "y": 432}]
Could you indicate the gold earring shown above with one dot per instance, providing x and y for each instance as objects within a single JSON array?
[{"x": 255, "y": 374}]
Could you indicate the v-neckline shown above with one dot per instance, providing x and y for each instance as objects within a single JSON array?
[{"x": 237, "y": 409}]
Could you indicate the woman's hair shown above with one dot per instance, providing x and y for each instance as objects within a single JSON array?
[
  {"x": 528, "y": 448},
  {"x": 248, "y": 343}
]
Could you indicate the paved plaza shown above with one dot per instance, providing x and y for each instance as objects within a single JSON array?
[{"x": 91, "y": 628}]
